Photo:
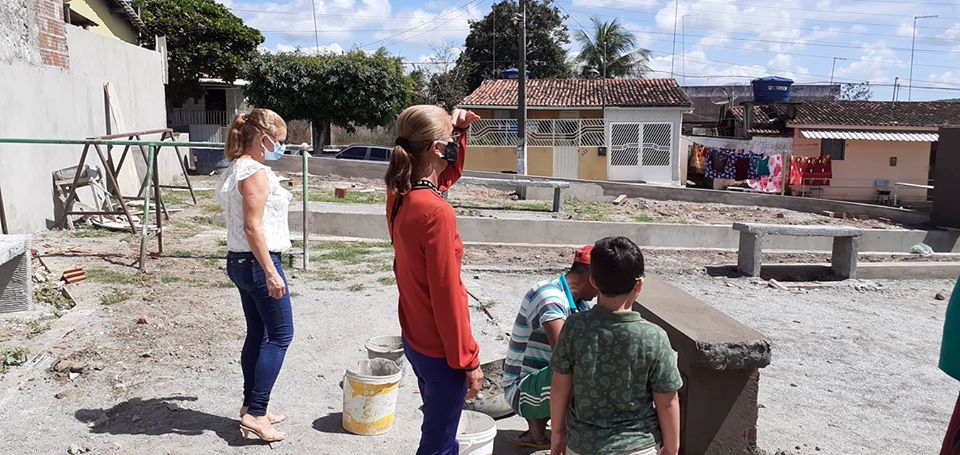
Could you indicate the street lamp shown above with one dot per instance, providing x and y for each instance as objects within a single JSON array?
[
  {"x": 912, "y": 44},
  {"x": 835, "y": 67}
]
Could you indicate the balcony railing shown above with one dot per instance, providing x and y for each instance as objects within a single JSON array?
[
  {"x": 540, "y": 133},
  {"x": 183, "y": 117}
]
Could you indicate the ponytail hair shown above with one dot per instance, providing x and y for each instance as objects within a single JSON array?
[
  {"x": 245, "y": 127},
  {"x": 417, "y": 128}
]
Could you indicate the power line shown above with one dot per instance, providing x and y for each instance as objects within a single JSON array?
[{"x": 465, "y": 5}]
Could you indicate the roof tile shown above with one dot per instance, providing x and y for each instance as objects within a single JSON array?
[{"x": 582, "y": 93}]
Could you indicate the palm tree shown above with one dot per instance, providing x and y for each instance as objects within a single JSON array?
[{"x": 610, "y": 50}]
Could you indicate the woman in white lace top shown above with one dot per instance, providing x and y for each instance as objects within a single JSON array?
[{"x": 255, "y": 208}]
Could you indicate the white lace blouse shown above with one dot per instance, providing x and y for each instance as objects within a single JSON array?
[{"x": 274, "y": 224}]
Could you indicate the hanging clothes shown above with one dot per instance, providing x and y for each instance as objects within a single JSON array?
[
  {"x": 773, "y": 181},
  {"x": 698, "y": 158},
  {"x": 742, "y": 166},
  {"x": 721, "y": 164},
  {"x": 810, "y": 171}
]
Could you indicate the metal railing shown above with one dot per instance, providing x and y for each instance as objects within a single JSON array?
[
  {"x": 185, "y": 117},
  {"x": 152, "y": 150},
  {"x": 540, "y": 133}
]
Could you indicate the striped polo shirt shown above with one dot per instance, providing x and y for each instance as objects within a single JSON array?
[{"x": 529, "y": 349}]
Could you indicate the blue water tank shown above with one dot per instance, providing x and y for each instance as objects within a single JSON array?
[
  {"x": 771, "y": 89},
  {"x": 512, "y": 73}
]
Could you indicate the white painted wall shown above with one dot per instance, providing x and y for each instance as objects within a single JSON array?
[
  {"x": 48, "y": 102},
  {"x": 652, "y": 114}
]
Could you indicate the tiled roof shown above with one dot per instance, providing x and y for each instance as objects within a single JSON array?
[
  {"x": 878, "y": 113},
  {"x": 581, "y": 93}
]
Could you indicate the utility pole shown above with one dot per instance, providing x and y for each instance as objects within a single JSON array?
[
  {"x": 912, "y": 44},
  {"x": 522, "y": 94},
  {"x": 683, "y": 47},
  {"x": 673, "y": 54}
]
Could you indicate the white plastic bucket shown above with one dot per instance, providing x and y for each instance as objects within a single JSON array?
[
  {"x": 476, "y": 433},
  {"x": 370, "y": 397},
  {"x": 386, "y": 347}
]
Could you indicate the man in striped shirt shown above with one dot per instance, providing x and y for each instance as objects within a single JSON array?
[{"x": 526, "y": 371}]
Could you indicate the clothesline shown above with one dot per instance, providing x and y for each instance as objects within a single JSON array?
[{"x": 765, "y": 172}]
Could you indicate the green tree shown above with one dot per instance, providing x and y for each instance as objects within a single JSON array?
[
  {"x": 350, "y": 91},
  {"x": 204, "y": 39},
  {"x": 493, "y": 44},
  {"x": 859, "y": 91},
  {"x": 419, "y": 93},
  {"x": 609, "y": 49}
]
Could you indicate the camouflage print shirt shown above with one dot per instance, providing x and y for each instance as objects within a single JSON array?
[{"x": 617, "y": 360}]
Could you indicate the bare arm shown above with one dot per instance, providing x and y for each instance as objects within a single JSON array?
[
  {"x": 553, "y": 329},
  {"x": 668, "y": 413},
  {"x": 560, "y": 391},
  {"x": 254, "y": 190}
]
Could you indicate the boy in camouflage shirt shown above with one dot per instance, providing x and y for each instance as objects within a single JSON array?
[{"x": 610, "y": 367}]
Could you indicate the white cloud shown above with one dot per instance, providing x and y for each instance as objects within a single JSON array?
[
  {"x": 781, "y": 61},
  {"x": 632, "y": 4},
  {"x": 947, "y": 77},
  {"x": 333, "y": 48}
]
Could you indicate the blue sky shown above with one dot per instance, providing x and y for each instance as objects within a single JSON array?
[{"x": 717, "y": 42}]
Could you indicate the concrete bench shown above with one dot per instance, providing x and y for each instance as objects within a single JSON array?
[
  {"x": 843, "y": 261},
  {"x": 16, "y": 276},
  {"x": 719, "y": 360},
  {"x": 558, "y": 187}
]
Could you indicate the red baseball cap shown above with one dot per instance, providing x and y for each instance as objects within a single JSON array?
[{"x": 582, "y": 256}]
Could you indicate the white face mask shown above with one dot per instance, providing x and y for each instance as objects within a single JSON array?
[{"x": 276, "y": 153}]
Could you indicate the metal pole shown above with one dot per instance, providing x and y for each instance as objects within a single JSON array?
[
  {"x": 316, "y": 31},
  {"x": 306, "y": 199},
  {"x": 913, "y": 43},
  {"x": 522, "y": 94},
  {"x": 832, "y": 69},
  {"x": 673, "y": 53},
  {"x": 683, "y": 48},
  {"x": 145, "y": 222}
]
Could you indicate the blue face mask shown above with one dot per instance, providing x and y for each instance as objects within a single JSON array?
[{"x": 278, "y": 150}]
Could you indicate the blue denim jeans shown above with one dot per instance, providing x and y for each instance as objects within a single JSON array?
[
  {"x": 443, "y": 390},
  {"x": 269, "y": 328}
]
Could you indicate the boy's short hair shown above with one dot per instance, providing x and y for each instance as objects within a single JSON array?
[{"x": 616, "y": 265}]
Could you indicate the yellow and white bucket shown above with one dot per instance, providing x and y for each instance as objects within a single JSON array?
[{"x": 370, "y": 397}]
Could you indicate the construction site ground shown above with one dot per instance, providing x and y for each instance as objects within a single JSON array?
[{"x": 149, "y": 363}]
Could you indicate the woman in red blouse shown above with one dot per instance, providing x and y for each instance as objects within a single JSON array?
[{"x": 434, "y": 314}]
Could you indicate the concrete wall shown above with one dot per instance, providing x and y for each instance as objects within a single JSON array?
[
  {"x": 111, "y": 24},
  {"x": 866, "y": 161},
  {"x": 368, "y": 223},
  {"x": 592, "y": 165},
  {"x": 68, "y": 103}
]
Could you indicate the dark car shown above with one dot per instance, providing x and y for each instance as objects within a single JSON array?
[{"x": 365, "y": 152}]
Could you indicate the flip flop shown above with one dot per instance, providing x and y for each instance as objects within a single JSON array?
[{"x": 524, "y": 440}]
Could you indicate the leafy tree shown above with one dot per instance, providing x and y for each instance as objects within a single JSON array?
[
  {"x": 859, "y": 91},
  {"x": 419, "y": 94},
  {"x": 350, "y": 90},
  {"x": 609, "y": 49},
  {"x": 493, "y": 43},
  {"x": 204, "y": 39},
  {"x": 448, "y": 84}
]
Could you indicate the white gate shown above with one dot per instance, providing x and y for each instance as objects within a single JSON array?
[
  {"x": 641, "y": 152},
  {"x": 566, "y": 162}
]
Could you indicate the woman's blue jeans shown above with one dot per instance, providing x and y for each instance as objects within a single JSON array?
[
  {"x": 269, "y": 328},
  {"x": 442, "y": 389}
]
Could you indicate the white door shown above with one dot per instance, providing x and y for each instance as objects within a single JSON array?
[
  {"x": 566, "y": 162},
  {"x": 640, "y": 152}
]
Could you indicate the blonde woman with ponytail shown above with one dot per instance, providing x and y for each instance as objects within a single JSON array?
[
  {"x": 434, "y": 316},
  {"x": 255, "y": 209}
]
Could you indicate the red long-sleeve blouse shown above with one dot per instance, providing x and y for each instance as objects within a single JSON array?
[{"x": 433, "y": 307}]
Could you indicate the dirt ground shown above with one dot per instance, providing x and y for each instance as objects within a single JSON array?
[{"x": 149, "y": 363}]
